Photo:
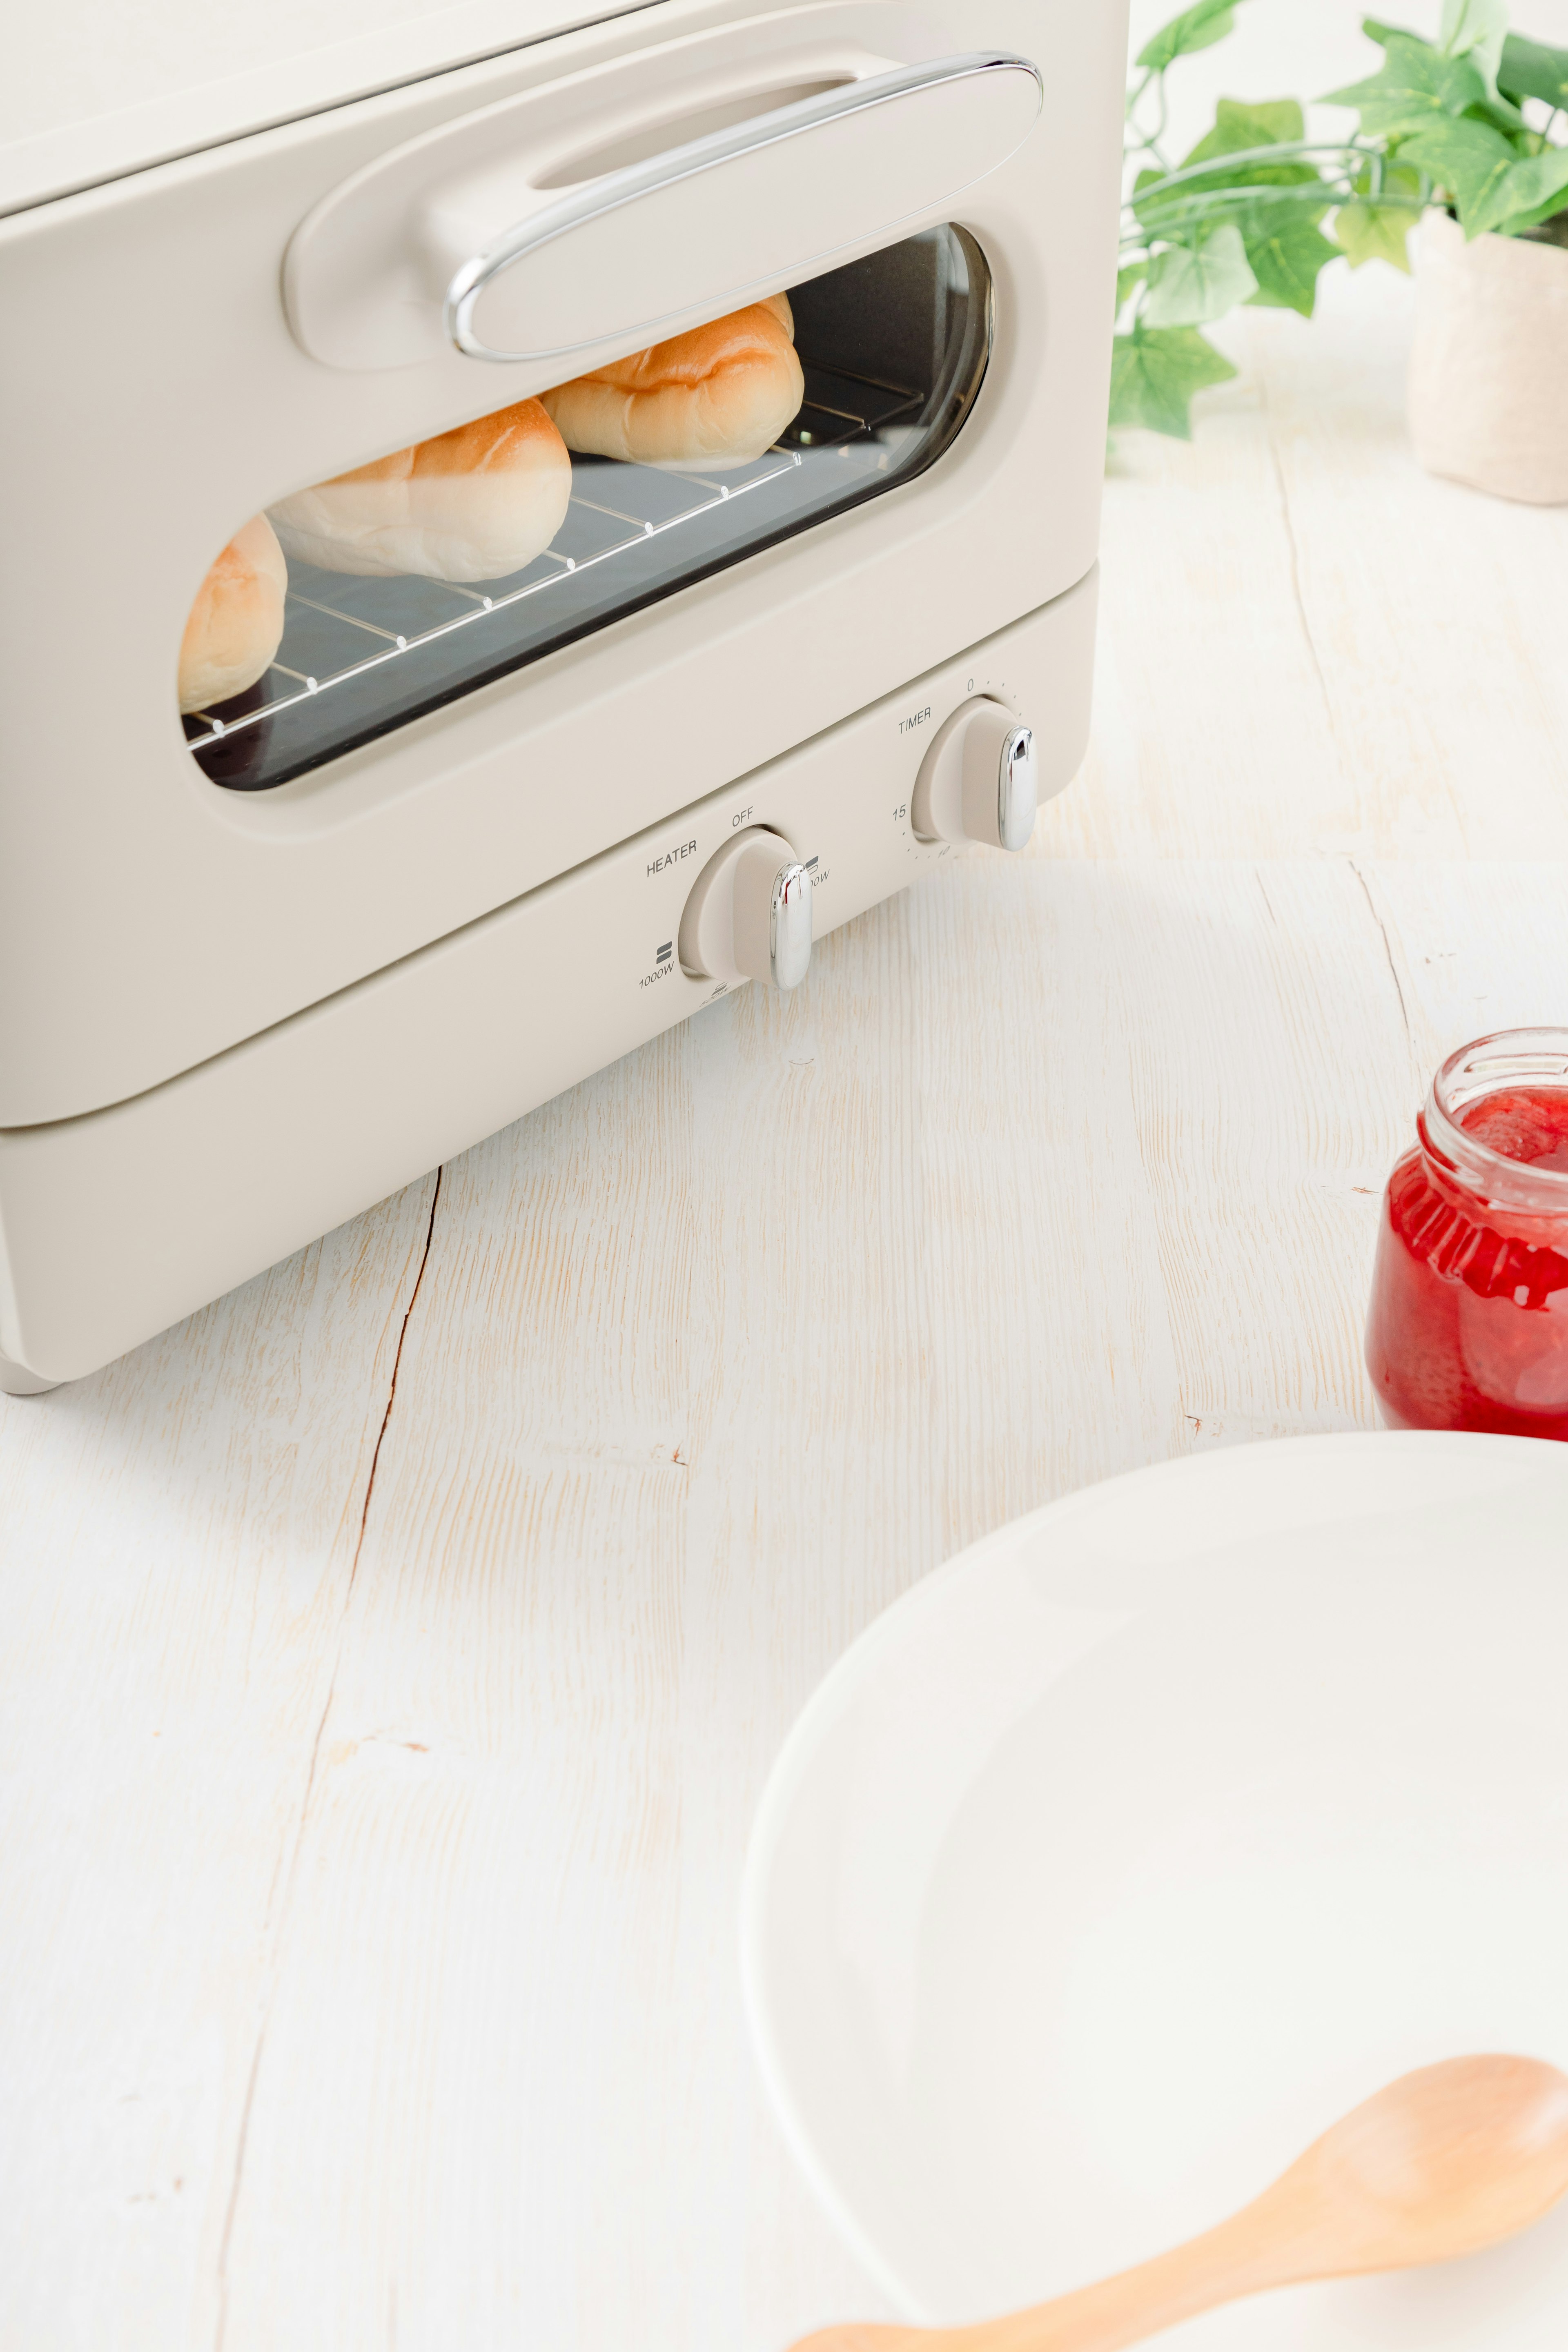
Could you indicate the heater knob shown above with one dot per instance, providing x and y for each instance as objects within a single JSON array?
[
  {"x": 978, "y": 782},
  {"x": 749, "y": 915}
]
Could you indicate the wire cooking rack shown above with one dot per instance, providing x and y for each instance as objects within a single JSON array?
[{"x": 349, "y": 626}]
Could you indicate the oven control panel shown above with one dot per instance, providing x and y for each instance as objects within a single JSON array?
[{"x": 737, "y": 886}]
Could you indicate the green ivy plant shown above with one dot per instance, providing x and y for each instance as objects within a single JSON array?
[{"x": 1256, "y": 211}]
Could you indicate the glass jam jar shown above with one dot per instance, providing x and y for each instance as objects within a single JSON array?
[{"x": 1468, "y": 1325}]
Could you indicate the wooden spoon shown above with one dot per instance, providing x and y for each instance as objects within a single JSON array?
[{"x": 1443, "y": 2162}]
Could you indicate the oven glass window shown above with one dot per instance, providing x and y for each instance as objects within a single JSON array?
[{"x": 372, "y": 598}]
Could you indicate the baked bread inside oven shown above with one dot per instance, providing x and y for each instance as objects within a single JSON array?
[
  {"x": 237, "y": 621},
  {"x": 715, "y": 397},
  {"x": 473, "y": 504}
]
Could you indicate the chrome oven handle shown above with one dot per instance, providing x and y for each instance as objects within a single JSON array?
[
  {"x": 639, "y": 182},
  {"x": 498, "y": 233}
]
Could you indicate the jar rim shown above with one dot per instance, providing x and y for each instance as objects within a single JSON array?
[{"x": 1490, "y": 1066}]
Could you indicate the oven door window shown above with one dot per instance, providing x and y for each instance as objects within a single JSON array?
[{"x": 367, "y": 600}]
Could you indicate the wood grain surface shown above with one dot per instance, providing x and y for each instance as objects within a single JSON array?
[{"x": 394, "y": 1651}]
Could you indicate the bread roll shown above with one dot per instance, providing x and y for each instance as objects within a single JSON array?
[
  {"x": 473, "y": 504},
  {"x": 236, "y": 620},
  {"x": 713, "y": 398}
]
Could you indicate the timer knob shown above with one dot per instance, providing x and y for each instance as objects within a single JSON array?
[
  {"x": 749, "y": 915},
  {"x": 978, "y": 782}
]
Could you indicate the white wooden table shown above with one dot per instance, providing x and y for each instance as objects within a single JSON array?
[{"x": 393, "y": 1653}]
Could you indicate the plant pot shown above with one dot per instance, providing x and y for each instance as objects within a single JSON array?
[{"x": 1489, "y": 373}]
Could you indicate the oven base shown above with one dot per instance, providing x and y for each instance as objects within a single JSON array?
[
  {"x": 15, "y": 1381},
  {"x": 119, "y": 1222}
]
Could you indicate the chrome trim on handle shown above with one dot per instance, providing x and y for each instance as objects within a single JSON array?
[
  {"x": 1017, "y": 789},
  {"x": 624, "y": 187},
  {"x": 789, "y": 927}
]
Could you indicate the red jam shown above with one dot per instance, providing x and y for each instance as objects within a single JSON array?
[{"x": 1468, "y": 1327}]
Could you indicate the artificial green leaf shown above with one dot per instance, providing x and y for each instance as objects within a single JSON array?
[
  {"x": 1384, "y": 33},
  {"x": 1531, "y": 70},
  {"x": 1239, "y": 130},
  {"x": 1287, "y": 252},
  {"x": 1182, "y": 215},
  {"x": 1387, "y": 201},
  {"x": 1475, "y": 30},
  {"x": 1532, "y": 189},
  {"x": 1127, "y": 279},
  {"x": 1553, "y": 214},
  {"x": 1504, "y": 113},
  {"x": 1151, "y": 210},
  {"x": 1382, "y": 183},
  {"x": 1195, "y": 28},
  {"x": 1470, "y": 158},
  {"x": 1413, "y": 88},
  {"x": 1173, "y": 206},
  {"x": 1189, "y": 285},
  {"x": 1237, "y": 125},
  {"x": 1376, "y": 233},
  {"x": 1154, "y": 372}
]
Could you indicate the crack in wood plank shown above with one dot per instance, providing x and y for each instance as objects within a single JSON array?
[
  {"x": 1288, "y": 520},
  {"x": 1387, "y": 947},
  {"x": 242, "y": 2137}
]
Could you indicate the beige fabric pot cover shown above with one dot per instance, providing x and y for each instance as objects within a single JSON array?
[{"x": 1489, "y": 373}]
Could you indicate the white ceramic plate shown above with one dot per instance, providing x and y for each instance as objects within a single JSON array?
[{"x": 1148, "y": 1836}]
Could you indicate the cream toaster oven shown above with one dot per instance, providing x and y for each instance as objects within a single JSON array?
[{"x": 517, "y": 521}]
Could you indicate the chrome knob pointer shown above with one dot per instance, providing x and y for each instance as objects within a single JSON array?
[
  {"x": 980, "y": 780},
  {"x": 749, "y": 915},
  {"x": 1017, "y": 789},
  {"x": 789, "y": 926}
]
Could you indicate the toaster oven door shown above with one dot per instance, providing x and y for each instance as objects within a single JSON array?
[{"x": 390, "y": 591}]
